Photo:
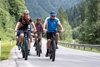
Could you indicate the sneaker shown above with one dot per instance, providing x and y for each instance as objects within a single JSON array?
[
  {"x": 47, "y": 53},
  {"x": 56, "y": 47},
  {"x": 19, "y": 45}
]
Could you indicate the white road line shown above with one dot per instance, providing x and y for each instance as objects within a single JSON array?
[{"x": 28, "y": 64}]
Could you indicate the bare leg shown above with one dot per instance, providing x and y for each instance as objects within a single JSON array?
[
  {"x": 21, "y": 37},
  {"x": 57, "y": 38},
  {"x": 48, "y": 43}
]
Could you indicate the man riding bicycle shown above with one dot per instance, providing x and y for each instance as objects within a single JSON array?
[
  {"x": 24, "y": 24},
  {"x": 51, "y": 23},
  {"x": 39, "y": 28}
]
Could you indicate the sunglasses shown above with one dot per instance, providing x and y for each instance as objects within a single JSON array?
[{"x": 52, "y": 16}]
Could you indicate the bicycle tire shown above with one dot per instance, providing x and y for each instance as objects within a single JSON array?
[
  {"x": 54, "y": 50},
  {"x": 23, "y": 52},
  {"x": 38, "y": 49},
  {"x": 26, "y": 49},
  {"x": 50, "y": 50},
  {"x": 51, "y": 56}
]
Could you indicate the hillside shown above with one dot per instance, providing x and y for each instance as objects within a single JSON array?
[
  {"x": 41, "y": 8},
  {"x": 75, "y": 13}
]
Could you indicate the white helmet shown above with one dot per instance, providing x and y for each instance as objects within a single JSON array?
[{"x": 26, "y": 11}]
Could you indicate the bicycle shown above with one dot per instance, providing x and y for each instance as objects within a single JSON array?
[
  {"x": 53, "y": 45},
  {"x": 38, "y": 44},
  {"x": 24, "y": 46}
]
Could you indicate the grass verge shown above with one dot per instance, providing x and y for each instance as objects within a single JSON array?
[{"x": 5, "y": 49}]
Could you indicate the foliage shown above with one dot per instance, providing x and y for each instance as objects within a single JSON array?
[
  {"x": 6, "y": 47},
  {"x": 76, "y": 14},
  {"x": 67, "y": 35},
  {"x": 89, "y": 30},
  {"x": 10, "y": 11}
]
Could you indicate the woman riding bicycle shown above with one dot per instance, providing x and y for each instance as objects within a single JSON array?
[{"x": 23, "y": 24}]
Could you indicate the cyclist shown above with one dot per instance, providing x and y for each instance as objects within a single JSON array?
[
  {"x": 23, "y": 24},
  {"x": 39, "y": 28},
  {"x": 51, "y": 24},
  {"x": 17, "y": 34}
]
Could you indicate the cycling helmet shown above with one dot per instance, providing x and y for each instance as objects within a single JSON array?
[
  {"x": 38, "y": 18},
  {"x": 26, "y": 11},
  {"x": 53, "y": 13}
]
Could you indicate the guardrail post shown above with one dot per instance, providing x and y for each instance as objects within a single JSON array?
[
  {"x": 74, "y": 46},
  {"x": 91, "y": 48},
  {"x": 83, "y": 47},
  {"x": 0, "y": 47},
  {"x": 78, "y": 47}
]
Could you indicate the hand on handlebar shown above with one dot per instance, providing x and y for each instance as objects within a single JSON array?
[
  {"x": 62, "y": 31},
  {"x": 16, "y": 30}
]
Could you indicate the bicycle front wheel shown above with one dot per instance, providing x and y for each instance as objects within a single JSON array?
[
  {"x": 26, "y": 49},
  {"x": 38, "y": 49},
  {"x": 54, "y": 50}
]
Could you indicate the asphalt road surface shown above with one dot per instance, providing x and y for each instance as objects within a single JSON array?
[{"x": 65, "y": 57}]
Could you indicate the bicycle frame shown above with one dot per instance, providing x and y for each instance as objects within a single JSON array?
[
  {"x": 38, "y": 46},
  {"x": 25, "y": 45}
]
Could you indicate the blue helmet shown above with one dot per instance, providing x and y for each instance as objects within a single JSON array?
[{"x": 53, "y": 13}]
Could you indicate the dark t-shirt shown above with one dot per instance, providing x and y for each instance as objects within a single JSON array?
[
  {"x": 39, "y": 27},
  {"x": 24, "y": 25}
]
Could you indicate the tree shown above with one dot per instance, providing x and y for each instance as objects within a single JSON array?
[{"x": 67, "y": 35}]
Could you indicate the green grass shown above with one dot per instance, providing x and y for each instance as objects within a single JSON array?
[
  {"x": 82, "y": 48},
  {"x": 5, "y": 49}
]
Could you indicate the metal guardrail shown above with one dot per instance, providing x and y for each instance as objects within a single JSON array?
[{"x": 80, "y": 45}]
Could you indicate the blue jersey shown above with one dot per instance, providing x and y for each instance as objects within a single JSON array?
[{"x": 52, "y": 24}]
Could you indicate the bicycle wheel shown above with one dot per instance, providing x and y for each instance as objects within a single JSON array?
[
  {"x": 51, "y": 56},
  {"x": 26, "y": 48},
  {"x": 38, "y": 49},
  {"x": 54, "y": 50},
  {"x": 50, "y": 49},
  {"x": 23, "y": 52}
]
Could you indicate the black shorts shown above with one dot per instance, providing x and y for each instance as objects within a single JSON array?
[
  {"x": 49, "y": 35},
  {"x": 28, "y": 32}
]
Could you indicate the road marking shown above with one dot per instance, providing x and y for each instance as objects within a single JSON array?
[{"x": 28, "y": 64}]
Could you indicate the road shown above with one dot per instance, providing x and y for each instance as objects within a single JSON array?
[{"x": 65, "y": 57}]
